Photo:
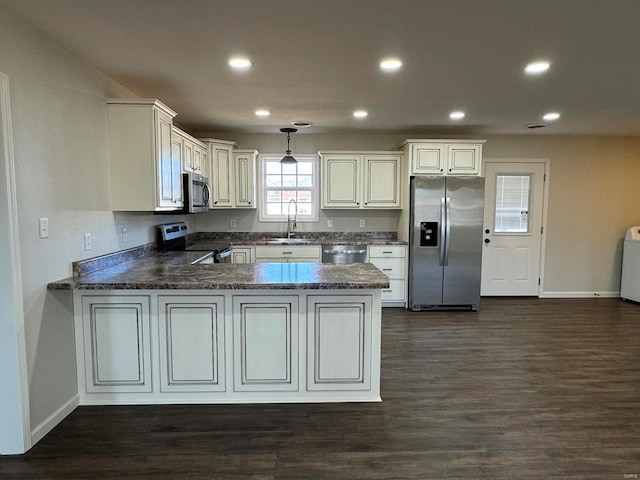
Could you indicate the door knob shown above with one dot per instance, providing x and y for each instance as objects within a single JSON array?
[{"x": 486, "y": 240}]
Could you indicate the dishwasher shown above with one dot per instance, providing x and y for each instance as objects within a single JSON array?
[{"x": 344, "y": 254}]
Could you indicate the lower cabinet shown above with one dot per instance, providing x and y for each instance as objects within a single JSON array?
[
  {"x": 191, "y": 337},
  {"x": 339, "y": 343},
  {"x": 117, "y": 344},
  {"x": 392, "y": 261},
  {"x": 227, "y": 346},
  {"x": 265, "y": 343},
  {"x": 243, "y": 255}
]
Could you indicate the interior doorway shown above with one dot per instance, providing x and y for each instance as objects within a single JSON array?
[{"x": 513, "y": 227}]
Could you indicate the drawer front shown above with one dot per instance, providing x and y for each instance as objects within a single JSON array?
[
  {"x": 289, "y": 251},
  {"x": 382, "y": 251},
  {"x": 395, "y": 291},
  {"x": 391, "y": 267}
]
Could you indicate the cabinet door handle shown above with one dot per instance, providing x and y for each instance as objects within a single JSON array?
[{"x": 287, "y": 253}]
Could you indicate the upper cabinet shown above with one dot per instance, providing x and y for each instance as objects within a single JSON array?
[
  {"x": 361, "y": 180},
  {"x": 191, "y": 152},
  {"x": 444, "y": 157},
  {"x": 232, "y": 174},
  {"x": 145, "y": 174}
]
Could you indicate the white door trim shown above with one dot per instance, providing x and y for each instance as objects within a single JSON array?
[
  {"x": 14, "y": 415},
  {"x": 545, "y": 204}
]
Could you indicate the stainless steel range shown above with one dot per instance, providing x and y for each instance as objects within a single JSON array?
[{"x": 173, "y": 237}]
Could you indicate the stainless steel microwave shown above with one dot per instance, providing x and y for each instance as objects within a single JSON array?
[{"x": 196, "y": 193}]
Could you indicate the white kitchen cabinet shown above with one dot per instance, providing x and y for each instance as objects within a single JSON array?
[
  {"x": 191, "y": 334},
  {"x": 444, "y": 157},
  {"x": 354, "y": 180},
  {"x": 243, "y": 255},
  {"x": 339, "y": 332},
  {"x": 191, "y": 151},
  {"x": 145, "y": 175},
  {"x": 244, "y": 173},
  {"x": 288, "y": 253},
  {"x": 392, "y": 261},
  {"x": 265, "y": 333},
  {"x": 117, "y": 345},
  {"x": 232, "y": 174}
]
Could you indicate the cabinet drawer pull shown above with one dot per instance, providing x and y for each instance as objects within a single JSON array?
[
  {"x": 287, "y": 253},
  {"x": 387, "y": 290},
  {"x": 387, "y": 269},
  {"x": 387, "y": 252}
]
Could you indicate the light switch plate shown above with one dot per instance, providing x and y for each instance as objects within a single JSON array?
[
  {"x": 87, "y": 241},
  {"x": 234, "y": 224},
  {"x": 330, "y": 223},
  {"x": 125, "y": 235},
  {"x": 361, "y": 222},
  {"x": 43, "y": 226}
]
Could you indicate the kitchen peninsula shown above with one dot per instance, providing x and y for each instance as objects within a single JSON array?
[{"x": 159, "y": 329}]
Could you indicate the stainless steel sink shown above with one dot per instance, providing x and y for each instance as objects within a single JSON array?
[{"x": 287, "y": 241}]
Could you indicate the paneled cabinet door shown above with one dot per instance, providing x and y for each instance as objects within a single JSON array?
[
  {"x": 221, "y": 177},
  {"x": 339, "y": 333},
  {"x": 244, "y": 164},
  {"x": 117, "y": 347},
  {"x": 242, "y": 255},
  {"x": 265, "y": 343},
  {"x": 340, "y": 181},
  {"x": 428, "y": 159},
  {"x": 197, "y": 159},
  {"x": 464, "y": 159},
  {"x": 382, "y": 181},
  {"x": 191, "y": 330},
  {"x": 170, "y": 167}
]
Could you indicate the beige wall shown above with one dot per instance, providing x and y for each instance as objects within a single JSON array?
[{"x": 59, "y": 120}]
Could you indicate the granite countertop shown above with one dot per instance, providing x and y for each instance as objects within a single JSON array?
[
  {"x": 173, "y": 270},
  {"x": 300, "y": 238}
]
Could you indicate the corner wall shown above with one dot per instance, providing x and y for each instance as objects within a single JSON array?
[{"x": 59, "y": 118}]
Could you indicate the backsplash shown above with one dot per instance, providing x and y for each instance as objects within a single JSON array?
[{"x": 248, "y": 236}]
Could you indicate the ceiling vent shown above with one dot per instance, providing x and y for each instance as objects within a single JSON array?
[
  {"x": 301, "y": 124},
  {"x": 533, "y": 126}
]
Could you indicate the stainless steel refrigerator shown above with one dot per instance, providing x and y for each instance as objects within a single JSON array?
[{"x": 445, "y": 254}]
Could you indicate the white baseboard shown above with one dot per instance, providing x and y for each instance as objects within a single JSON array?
[
  {"x": 54, "y": 419},
  {"x": 580, "y": 295}
]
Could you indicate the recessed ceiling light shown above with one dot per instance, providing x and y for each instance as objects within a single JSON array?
[
  {"x": 551, "y": 116},
  {"x": 360, "y": 114},
  {"x": 263, "y": 113},
  {"x": 240, "y": 63},
  {"x": 458, "y": 115},
  {"x": 536, "y": 68},
  {"x": 390, "y": 64}
]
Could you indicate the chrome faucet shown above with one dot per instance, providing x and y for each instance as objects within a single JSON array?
[{"x": 292, "y": 225}]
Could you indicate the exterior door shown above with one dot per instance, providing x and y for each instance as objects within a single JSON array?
[{"x": 514, "y": 202}]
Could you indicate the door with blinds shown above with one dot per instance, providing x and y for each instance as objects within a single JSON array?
[{"x": 512, "y": 227}]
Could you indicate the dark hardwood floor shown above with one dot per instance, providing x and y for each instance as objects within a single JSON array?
[{"x": 522, "y": 389}]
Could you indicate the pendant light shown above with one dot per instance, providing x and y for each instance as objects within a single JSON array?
[{"x": 288, "y": 158}]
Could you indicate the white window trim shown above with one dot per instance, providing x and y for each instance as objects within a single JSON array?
[{"x": 315, "y": 192}]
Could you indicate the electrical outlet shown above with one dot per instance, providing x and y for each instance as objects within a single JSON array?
[
  {"x": 43, "y": 225},
  {"x": 87, "y": 241},
  {"x": 234, "y": 224},
  {"x": 330, "y": 223},
  {"x": 125, "y": 235},
  {"x": 361, "y": 222}
]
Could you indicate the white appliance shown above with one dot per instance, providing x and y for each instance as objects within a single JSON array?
[{"x": 630, "y": 284}]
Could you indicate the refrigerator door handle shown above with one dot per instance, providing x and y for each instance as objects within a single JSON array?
[
  {"x": 443, "y": 220},
  {"x": 447, "y": 241}
]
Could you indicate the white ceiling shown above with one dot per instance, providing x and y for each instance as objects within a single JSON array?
[{"x": 318, "y": 61}]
